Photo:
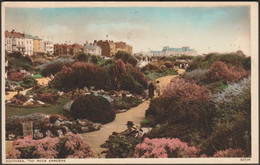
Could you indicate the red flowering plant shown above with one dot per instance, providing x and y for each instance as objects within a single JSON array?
[
  {"x": 165, "y": 148},
  {"x": 230, "y": 152},
  {"x": 16, "y": 76},
  {"x": 68, "y": 146},
  {"x": 16, "y": 101}
]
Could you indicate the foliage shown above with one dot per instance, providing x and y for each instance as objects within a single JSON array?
[
  {"x": 37, "y": 75},
  {"x": 48, "y": 98},
  {"x": 55, "y": 66},
  {"x": 14, "y": 123},
  {"x": 126, "y": 57},
  {"x": 220, "y": 71},
  {"x": 215, "y": 87},
  {"x": 121, "y": 146},
  {"x": 16, "y": 76},
  {"x": 68, "y": 146},
  {"x": 232, "y": 59},
  {"x": 198, "y": 75},
  {"x": 81, "y": 75},
  {"x": 82, "y": 57},
  {"x": 94, "y": 108},
  {"x": 229, "y": 153},
  {"x": 232, "y": 125},
  {"x": 57, "y": 109},
  {"x": 181, "y": 118},
  {"x": 17, "y": 61},
  {"x": 127, "y": 77},
  {"x": 28, "y": 82},
  {"x": 231, "y": 91},
  {"x": 126, "y": 103},
  {"x": 183, "y": 90},
  {"x": 165, "y": 148},
  {"x": 16, "y": 101}
]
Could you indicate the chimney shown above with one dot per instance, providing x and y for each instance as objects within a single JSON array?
[{"x": 12, "y": 31}]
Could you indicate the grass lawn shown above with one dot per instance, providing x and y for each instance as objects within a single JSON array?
[
  {"x": 55, "y": 109},
  {"x": 152, "y": 75}
]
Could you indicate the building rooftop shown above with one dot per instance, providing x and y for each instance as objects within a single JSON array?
[
  {"x": 14, "y": 34},
  {"x": 176, "y": 49}
]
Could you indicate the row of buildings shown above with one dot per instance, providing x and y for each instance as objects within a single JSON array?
[
  {"x": 99, "y": 48},
  {"x": 27, "y": 44}
]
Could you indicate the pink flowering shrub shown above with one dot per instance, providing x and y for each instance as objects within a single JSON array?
[
  {"x": 165, "y": 148},
  {"x": 230, "y": 153},
  {"x": 68, "y": 146},
  {"x": 183, "y": 90}
]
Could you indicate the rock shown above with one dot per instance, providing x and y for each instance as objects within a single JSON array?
[
  {"x": 40, "y": 102},
  {"x": 27, "y": 103},
  {"x": 60, "y": 133},
  {"x": 83, "y": 122},
  {"x": 84, "y": 129},
  {"x": 67, "y": 106},
  {"x": 66, "y": 129},
  {"x": 48, "y": 133},
  {"x": 57, "y": 123},
  {"x": 65, "y": 122},
  {"x": 74, "y": 122},
  {"x": 37, "y": 134},
  {"x": 96, "y": 126},
  {"x": 129, "y": 95},
  {"x": 11, "y": 137},
  {"x": 31, "y": 99}
]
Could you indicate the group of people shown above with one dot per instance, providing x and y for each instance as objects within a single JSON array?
[{"x": 154, "y": 86}]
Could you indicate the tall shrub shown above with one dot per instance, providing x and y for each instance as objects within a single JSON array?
[
  {"x": 126, "y": 57},
  {"x": 53, "y": 67},
  {"x": 81, "y": 75}
]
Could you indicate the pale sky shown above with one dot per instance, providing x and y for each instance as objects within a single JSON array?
[{"x": 205, "y": 29}]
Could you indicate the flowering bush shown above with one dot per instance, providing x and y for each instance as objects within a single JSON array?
[
  {"x": 81, "y": 75},
  {"x": 183, "y": 90},
  {"x": 16, "y": 76},
  {"x": 165, "y": 148},
  {"x": 231, "y": 91},
  {"x": 220, "y": 71},
  {"x": 53, "y": 67},
  {"x": 68, "y": 146},
  {"x": 229, "y": 153}
]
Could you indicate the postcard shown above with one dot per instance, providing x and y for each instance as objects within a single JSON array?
[{"x": 129, "y": 82}]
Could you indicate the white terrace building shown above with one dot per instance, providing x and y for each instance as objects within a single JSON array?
[{"x": 92, "y": 49}]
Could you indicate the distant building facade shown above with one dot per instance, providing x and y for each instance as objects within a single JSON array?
[
  {"x": 14, "y": 42},
  {"x": 28, "y": 39},
  {"x": 38, "y": 46},
  {"x": 92, "y": 49},
  {"x": 167, "y": 51},
  {"x": 64, "y": 49},
  {"x": 110, "y": 48},
  {"x": 48, "y": 47}
]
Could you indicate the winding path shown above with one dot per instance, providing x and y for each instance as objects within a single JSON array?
[{"x": 136, "y": 114}]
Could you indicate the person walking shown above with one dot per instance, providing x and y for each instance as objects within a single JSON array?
[{"x": 151, "y": 90}]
